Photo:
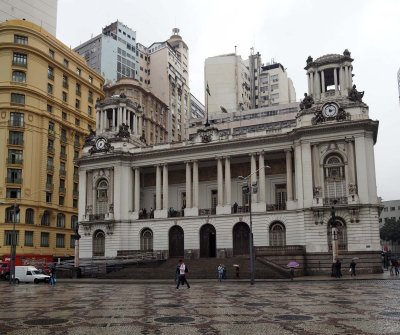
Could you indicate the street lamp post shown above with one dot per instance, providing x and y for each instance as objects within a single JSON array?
[
  {"x": 13, "y": 253},
  {"x": 335, "y": 251},
  {"x": 249, "y": 190}
]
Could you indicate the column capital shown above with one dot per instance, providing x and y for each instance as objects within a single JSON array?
[
  {"x": 288, "y": 149},
  {"x": 349, "y": 139}
]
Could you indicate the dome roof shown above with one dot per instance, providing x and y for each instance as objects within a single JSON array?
[{"x": 328, "y": 59}]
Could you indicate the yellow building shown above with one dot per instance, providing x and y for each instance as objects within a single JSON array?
[{"x": 47, "y": 106}]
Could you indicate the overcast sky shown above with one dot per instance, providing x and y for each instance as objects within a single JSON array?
[{"x": 287, "y": 31}]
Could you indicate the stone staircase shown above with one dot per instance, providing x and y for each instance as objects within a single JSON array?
[{"x": 203, "y": 268}]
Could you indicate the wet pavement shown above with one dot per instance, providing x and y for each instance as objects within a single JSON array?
[{"x": 366, "y": 305}]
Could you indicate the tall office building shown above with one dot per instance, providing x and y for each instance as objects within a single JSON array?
[
  {"x": 41, "y": 12},
  {"x": 47, "y": 105},
  {"x": 112, "y": 53},
  {"x": 166, "y": 65},
  {"x": 236, "y": 84}
]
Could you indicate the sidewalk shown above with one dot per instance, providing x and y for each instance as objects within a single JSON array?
[{"x": 378, "y": 276}]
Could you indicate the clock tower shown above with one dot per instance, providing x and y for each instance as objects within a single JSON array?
[{"x": 331, "y": 96}]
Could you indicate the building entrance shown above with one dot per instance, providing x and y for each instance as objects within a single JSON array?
[
  {"x": 176, "y": 242},
  {"x": 241, "y": 238},
  {"x": 208, "y": 241}
]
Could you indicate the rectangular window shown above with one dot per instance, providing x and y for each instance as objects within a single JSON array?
[
  {"x": 63, "y": 135},
  {"x": 50, "y": 73},
  {"x": 90, "y": 79},
  {"x": 49, "y": 108},
  {"x": 13, "y": 193},
  {"x": 16, "y": 138},
  {"x": 89, "y": 110},
  {"x": 49, "y": 89},
  {"x": 28, "y": 239},
  {"x": 66, "y": 62},
  {"x": 48, "y": 197},
  {"x": 78, "y": 71},
  {"x": 65, "y": 81},
  {"x": 14, "y": 156},
  {"x": 64, "y": 115},
  {"x": 61, "y": 200},
  {"x": 60, "y": 240},
  {"x": 16, "y": 119},
  {"x": 72, "y": 242},
  {"x": 51, "y": 53},
  {"x": 75, "y": 203},
  {"x": 17, "y": 98},
  {"x": 44, "y": 239},
  {"x": 19, "y": 76},
  {"x": 90, "y": 97},
  {"x": 18, "y": 39},
  {"x": 392, "y": 209},
  {"x": 77, "y": 122},
  {"x": 78, "y": 90},
  {"x": 20, "y": 59},
  {"x": 77, "y": 103},
  {"x": 14, "y": 176},
  {"x": 8, "y": 237}
]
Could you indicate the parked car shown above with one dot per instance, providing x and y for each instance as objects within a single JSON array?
[{"x": 29, "y": 274}]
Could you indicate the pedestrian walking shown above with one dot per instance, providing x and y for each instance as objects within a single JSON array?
[
  {"x": 353, "y": 268},
  {"x": 223, "y": 271},
  {"x": 220, "y": 271},
  {"x": 338, "y": 266},
  {"x": 237, "y": 271},
  {"x": 53, "y": 279},
  {"x": 291, "y": 273},
  {"x": 183, "y": 270},
  {"x": 396, "y": 267},
  {"x": 392, "y": 266}
]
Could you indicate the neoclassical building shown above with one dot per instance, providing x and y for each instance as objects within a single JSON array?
[{"x": 186, "y": 199}]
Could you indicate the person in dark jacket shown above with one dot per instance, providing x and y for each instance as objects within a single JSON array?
[
  {"x": 183, "y": 270},
  {"x": 353, "y": 268},
  {"x": 338, "y": 266}
]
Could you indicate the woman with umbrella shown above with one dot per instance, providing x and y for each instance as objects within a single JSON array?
[{"x": 291, "y": 265}]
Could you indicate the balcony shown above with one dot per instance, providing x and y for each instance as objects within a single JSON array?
[
  {"x": 76, "y": 177},
  {"x": 51, "y": 133},
  {"x": 49, "y": 187},
  {"x": 50, "y": 168},
  {"x": 95, "y": 217},
  {"x": 335, "y": 201},
  {"x": 207, "y": 211},
  {"x": 276, "y": 207},
  {"x": 18, "y": 123},
  {"x": 14, "y": 141},
  {"x": 20, "y": 63},
  {"x": 50, "y": 150},
  {"x": 50, "y": 76},
  {"x": 77, "y": 144},
  {"x": 78, "y": 93},
  {"x": 90, "y": 100},
  {"x": 63, "y": 155},
  {"x": 15, "y": 161},
  {"x": 65, "y": 85},
  {"x": 62, "y": 173},
  {"x": 62, "y": 190},
  {"x": 63, "y": 138},
  {"x": 75, "y": 194},
  {"x": 13, "y": 180}
]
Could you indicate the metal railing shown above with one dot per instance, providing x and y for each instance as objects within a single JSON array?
[
  {"x": 94, "y": 217},
  {"x": 335, "y": 201},
  {"x": 207, "y": 211}
]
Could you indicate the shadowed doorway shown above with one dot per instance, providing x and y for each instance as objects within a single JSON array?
[{"x": 208, "y": 241}]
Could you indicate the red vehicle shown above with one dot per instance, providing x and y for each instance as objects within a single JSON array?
[{"x": 41, "y": 262}]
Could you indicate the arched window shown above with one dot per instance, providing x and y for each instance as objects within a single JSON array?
[
  {"x": 341, "y": 234},
  {"x": 60, "y": 220},
  {"x": 74, "y": 222},
  {"x": 146, "y": 240},
  {"x": 277, "y": 234},
  {"x": 102, "y": 197},
  {"x": 335, "y": 182},
  {"x": 30, "y": 216},
  {"x": 45, "y": 219},
  {"x": 19, "y": 76},
  {"x": 99, "y": 243},
  {"x": 10, "y": 215}
]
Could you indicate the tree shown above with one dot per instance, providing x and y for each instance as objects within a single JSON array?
[{"x": 390, "y": 231}]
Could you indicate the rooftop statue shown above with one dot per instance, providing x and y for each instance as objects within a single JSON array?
[
  {"x": 123, "y": 131},
  {"x": 307, "y": 102},
  {"x": 354, "y": 95}
]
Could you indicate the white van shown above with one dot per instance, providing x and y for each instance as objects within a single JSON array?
[{"x": 29, "y": 274}]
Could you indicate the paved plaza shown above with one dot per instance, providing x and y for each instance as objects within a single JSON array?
[{"x": 359, "y": 306}]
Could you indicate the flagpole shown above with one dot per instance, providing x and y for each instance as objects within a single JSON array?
[{"x": 207, "y": 124}]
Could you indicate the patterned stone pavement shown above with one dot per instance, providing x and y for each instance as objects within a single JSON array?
[{"x": 207, "y": 308}]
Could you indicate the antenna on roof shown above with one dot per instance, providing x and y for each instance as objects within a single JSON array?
[{"x": 235, "y": 49}]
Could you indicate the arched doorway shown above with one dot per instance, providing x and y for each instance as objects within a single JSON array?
[
  {"x": 341, "y": 229},
  {"x": 176, "y": 242},
  {"x": 208, "y": 242},
  {"x": 99, "y": 245},
  {"x": 241, "y": 239},
  {"x": 277, "y": 234},
  {"x": 146, "y": 240}
]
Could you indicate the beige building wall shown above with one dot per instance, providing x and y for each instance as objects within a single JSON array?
[{"x": 47, "y": 105}]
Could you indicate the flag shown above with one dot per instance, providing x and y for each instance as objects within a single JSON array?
[{"x": 208, "y": 90}]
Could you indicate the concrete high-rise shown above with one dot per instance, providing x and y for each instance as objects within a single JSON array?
[
  {"x": 112, "y": 53},
  {"x": 41, "y": 12},
  {"x": 47, "y": 106}
]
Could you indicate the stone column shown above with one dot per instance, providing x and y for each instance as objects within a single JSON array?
[
  {"x": 289, "y": 175},
  {"x": 346, "y": 78},
  {"x": 113, "y": 119},
  {"x": 311, "y": 83},
  {"x": 98, "y": 120},
  {"x": 261, "y": 187},
  {"x": 119, "y": 120},
  {"x": 227, "y": 182},
  {"x": 140, "y": 126},
  {"x": 188, "y": 186},
  {"x": 158, "y": 187},
  {"x": 195, "y": 184},
  {"x": 220, "y": 182},
  {"x": 253, "y": 177},
  {"x": 165, "y": 187},
  {"x": 322, "y": 81},
  {"x": 137, "y": 190},
  {"x": 83, "y": 199},
  {"x": 316, "y": 172},
  {"x": 335, "y": 79}
]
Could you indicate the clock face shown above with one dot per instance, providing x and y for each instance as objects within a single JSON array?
[
  {"x": 101, "y": 143},
  {"x": 330, "y": 110}
]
